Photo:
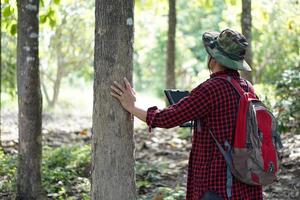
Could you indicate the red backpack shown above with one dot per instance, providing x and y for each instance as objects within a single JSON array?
[{"x": 252, "y": 157}]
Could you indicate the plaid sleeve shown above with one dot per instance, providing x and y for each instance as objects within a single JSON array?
[{"x": 194, "y": 106}]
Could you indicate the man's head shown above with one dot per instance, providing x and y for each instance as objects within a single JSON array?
[{"x": 227, "y": 48}]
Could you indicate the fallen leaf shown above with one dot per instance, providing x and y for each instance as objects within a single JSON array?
[
  {"x": 84, "y": 132},
  {"x": 158, "y": 196}
]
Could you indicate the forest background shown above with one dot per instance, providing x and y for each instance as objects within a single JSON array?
[{"x": 66, "y": 51}]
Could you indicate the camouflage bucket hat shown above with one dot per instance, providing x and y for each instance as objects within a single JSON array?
[{"x": 228, "y": 48}]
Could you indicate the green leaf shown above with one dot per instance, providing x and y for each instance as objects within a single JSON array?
[
  {"x": 50, "y": 12},
  {"x": 7, "y": 12},
  {"x": 13, "y": 29},
  {"x": 56, "y": 2},
  {"x": 208, "y": 4},
  {"x": 52, "y": 22},
  {"x": 43, "y": 19},
  {"x": 42, "y": 3},
  {"x": 231, "y": 2}
]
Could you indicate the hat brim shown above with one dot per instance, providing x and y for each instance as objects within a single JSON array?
[{"x": 208, "y": 38}]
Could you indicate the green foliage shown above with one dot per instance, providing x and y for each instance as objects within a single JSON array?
[
  {"x": 275, "y": 39},
  {"x": 193, "y": 18},
  {"x": 149, "y": 176},
  {"x": 62, "y": 165},
  {"x": 9, "y": 40},
  {"x": 275, "y": 45},
  {"x": 184, "y": 133},
  {"x": 7, "y": 172},
  {"x": 8, "y": 64},
  {"x": 231, "y": 2},
  {"x": 8, "y": 17},
  {"x": 8, "y": 47},
  {"x": 48, "y": 12},
  {"x": 288, "y": 106},
  {"x": 56, "y": 2},
  {"x": 61, "y": 169},
  {"x": 48, "y": 16},
  {"x": 8, "y": 58},
  {"x": 7, "y": 11},
  {"x": 65, "y": 170},
  {"x": 176, "y": 193},
  {"x": 146, "y": 176},
  {"x": 67, "y": 53},
  {"x": 266, "y": 93}
]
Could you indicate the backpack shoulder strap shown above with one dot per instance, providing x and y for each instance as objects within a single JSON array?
[
  {"x": 249, "y": 86},
  {"x": 228, "y": 159}
]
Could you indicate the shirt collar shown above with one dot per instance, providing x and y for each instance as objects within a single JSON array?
[{"x": 230, "y": 72}]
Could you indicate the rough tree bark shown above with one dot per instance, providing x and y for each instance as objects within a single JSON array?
[
  {"x": 246, "y": 23},
  {"x": 29, "y": 102},
  {"x": 113, "y": 175},
  {"x": 171, "y": 49}
]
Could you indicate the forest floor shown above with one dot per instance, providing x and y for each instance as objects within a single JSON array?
[{"x": 161, "y": 158}]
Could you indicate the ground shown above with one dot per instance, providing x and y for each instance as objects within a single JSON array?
[{"x": 161, "y": 157}]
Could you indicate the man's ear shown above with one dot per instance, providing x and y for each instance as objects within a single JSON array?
[{"x": 212, "y": 62}]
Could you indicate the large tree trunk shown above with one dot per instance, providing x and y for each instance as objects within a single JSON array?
[
  {"x": 113, "y": 175},
  {"x": 29, "y": 101},
  {"x": 170, "y": 68},
  {"x": 246, "y": 22}
]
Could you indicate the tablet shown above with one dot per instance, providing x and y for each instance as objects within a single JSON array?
[{"x": 174, "y": 96}]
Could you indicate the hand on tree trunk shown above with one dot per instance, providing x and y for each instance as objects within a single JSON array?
[{"x": 126, "y": 95}]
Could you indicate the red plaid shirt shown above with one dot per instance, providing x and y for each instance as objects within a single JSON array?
[{"x": 214, "y": 103}]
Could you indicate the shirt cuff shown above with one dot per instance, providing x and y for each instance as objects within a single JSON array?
[{"x": 151, "y": 112}]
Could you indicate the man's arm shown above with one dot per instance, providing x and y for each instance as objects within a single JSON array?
[
  {"x": 139, "y": 113},
  {"x": 196, "y": 105}
]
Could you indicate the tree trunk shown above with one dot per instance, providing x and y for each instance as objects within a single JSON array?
[
  {"x": 60, "y": 72},
  {"x": 56, "y": 86},
  {"x": 29, "y": 101},
  {"x": 246, "y": 22},
  {"x": 113, "y": 175},
  {"x": 170, "y": 68}
]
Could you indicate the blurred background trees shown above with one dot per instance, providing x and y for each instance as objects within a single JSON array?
[
  {"x": 246, "y": 24},
  {"x": 66, "y": 47}
]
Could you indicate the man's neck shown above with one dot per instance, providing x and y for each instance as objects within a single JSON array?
[{"x": 218, "y": 68}]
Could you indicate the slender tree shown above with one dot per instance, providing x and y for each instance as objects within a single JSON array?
[
  {"x": 113, "y": 175},
  {"x": 29, "y": 101},
  {"x": 171, "y": 50},
  {"x": 246, "y": 23}
]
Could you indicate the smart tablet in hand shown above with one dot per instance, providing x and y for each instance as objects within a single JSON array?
[{"x": 174, "y": 96}]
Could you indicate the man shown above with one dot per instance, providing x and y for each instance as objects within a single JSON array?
[{"x": 213, "y": 105}]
